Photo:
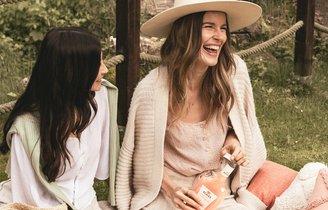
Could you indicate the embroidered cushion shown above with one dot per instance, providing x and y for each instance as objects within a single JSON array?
[
  {"x": 271, "y": 181},
  {"x": 297, "y": 195}
]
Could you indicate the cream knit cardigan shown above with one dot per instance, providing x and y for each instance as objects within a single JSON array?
[{"x": 140, "y": 165}]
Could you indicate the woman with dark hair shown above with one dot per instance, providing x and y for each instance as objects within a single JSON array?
[
  {"x": 62, "y": 131},
  {"x": 190, "y": 111}
]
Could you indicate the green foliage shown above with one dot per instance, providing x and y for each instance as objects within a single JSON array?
[
  {"x": 12, "y": 68},
  {"x": 3, "y": 158},
  {"x": 320, "y": 49},
  {"x": 28, "y": 21},
  {"x": 23, "y": 26}
]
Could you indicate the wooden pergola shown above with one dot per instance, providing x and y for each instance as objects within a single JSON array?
[{"x": 128, "y": 42}]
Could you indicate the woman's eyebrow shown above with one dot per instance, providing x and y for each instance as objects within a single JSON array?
[
  {"x": 210, "y": 23},
  {"x": 213, "y": 24}
]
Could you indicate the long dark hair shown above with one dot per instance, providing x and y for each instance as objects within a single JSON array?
[
  {"x": 59, "y": 94},
  {"x": 179, "y": 53}
]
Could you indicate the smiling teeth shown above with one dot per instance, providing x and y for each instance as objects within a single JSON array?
[{"x": 213, "y": 47}]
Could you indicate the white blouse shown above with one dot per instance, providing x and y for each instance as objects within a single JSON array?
[{"x": 90, "y": 159}]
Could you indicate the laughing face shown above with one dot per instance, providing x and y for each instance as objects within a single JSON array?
[{"x": 214, "y": 35}]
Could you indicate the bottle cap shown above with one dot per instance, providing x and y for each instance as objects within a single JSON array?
[
  {"x": 229, "y": 166},
  {"x": 227, "y": 156}
]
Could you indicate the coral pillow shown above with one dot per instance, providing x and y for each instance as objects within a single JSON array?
[{"x": 271, "y": 180}]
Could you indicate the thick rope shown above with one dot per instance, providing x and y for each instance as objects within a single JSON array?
[
  {"x": 156, "y": 59},
  {"x": 320, "y": 27},
  {"x": 9, "y": 1},
  {"x": 260, "y": 47},
  {"x": 7, "y": 107},
  {"x": 150, "y": 58},
  {"x": 113, "y": 61},
  {"x": 244, "y": 53}
]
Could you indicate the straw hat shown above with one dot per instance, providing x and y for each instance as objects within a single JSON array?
[{"x": 240, "y": 14}]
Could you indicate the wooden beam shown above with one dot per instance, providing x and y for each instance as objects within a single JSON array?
[
  {"x": 304, "y": 38},
  {"x": 127, "y": 44}
]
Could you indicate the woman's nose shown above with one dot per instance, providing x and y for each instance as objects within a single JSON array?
[
  {"x": 104, "y": 68},
  {"x": 218, "y": 34}
]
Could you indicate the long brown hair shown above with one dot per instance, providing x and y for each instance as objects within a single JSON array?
[{"x": 179, "y": 53}]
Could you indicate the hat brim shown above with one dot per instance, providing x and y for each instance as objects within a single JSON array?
[{"x": 240, "y": 14}]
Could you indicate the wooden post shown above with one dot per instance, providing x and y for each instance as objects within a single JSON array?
[
  {"x": 127, "y": 44},
  {"x": 304, "y": 38}
]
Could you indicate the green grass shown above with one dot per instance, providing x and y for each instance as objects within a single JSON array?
[
  {"x": 293, "y": 117},
  {"x": 3, "y": 158},
  {"x": 3, "y": 163}
]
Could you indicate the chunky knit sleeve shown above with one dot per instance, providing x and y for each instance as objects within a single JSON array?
[
  {"x": 140, "y": 165},
  {"x": 246, "y": 124},
  {"x": 124, "y": 166}
]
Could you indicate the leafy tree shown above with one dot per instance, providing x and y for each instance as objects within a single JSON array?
[{"x": 27, "y": 22}]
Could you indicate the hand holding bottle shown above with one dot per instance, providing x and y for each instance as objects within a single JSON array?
[
  {"x": 232, "y": 146},
  {"x": 187, "y": 199},
  {"x": 181, "y": 197},
  {"x": 210, "y": 185}
]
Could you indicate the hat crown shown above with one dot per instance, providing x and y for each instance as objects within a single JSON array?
[
  {"x": 179, "y": 3},
  {"x": 240, "y": 13}
]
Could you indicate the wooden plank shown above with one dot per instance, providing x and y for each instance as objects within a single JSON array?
[
  {"x": 127, "y": 44},
  {"x": 304, "y": 38}
]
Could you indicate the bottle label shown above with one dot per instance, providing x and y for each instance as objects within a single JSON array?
[
  {"x": 206, "y": 195},
  {"x": 228, "y": 167},
  {"x": 227, "y": 170}
]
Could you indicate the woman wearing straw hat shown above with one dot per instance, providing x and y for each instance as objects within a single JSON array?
[{"x": 192, "y": 109}]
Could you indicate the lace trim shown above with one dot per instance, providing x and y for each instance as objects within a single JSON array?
[
  {"x": 316, "y": 203},
  {"x": 322, "y": 200},
  {"x": 324, "y": 174}
]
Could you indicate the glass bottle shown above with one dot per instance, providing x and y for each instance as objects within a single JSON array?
[{"x": 211, "y": 185}]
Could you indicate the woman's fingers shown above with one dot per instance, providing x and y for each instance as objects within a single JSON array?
[
  {"x": 241, "y": 159},
  {"x": 193, "y": 199},
  {"x": 239, "y": 156},
  {"x": 187, "y": 199}
]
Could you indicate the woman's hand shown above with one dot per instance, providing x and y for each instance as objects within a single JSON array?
[
  {"x": 181, "y": 197},
  {"x": 186, "y": 199},
  {"x": 233, "y": 147}
]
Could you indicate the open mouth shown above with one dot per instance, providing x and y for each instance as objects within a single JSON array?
[{"x": 212, "y": 49}]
